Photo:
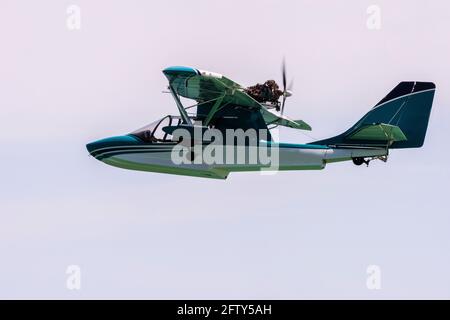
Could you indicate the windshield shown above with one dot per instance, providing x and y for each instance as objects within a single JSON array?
[{"x": 153, "y": 132}]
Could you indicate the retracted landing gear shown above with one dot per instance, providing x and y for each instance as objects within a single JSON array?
[{"x": 360, "y": 160}]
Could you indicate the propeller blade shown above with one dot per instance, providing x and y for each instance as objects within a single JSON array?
[
  {"x": 282, "y": 104},
  {"x": 283, "y": 73}
]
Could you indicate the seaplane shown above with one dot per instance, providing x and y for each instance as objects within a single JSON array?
[{"x": 228, "y": 129}]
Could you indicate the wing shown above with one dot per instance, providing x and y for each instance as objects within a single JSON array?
[{"x": 214, "y": 92}]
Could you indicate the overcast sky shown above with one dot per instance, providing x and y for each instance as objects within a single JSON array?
[{"x": 292, "y": 235}]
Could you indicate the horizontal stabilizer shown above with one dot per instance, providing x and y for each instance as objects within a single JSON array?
[{"x": 378, "y": 132}]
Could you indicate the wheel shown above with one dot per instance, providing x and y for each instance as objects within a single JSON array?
[{"x": 358, "y": 161}]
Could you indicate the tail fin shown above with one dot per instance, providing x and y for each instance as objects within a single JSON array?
[{"x": 404, "y": 112}]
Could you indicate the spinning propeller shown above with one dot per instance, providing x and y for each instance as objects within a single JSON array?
[{"x": 286, "y": 90}]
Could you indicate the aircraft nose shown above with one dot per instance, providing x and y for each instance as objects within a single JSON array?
[
  {"x": 92, "y": 146},
  {"x": 103, "y": 144}
]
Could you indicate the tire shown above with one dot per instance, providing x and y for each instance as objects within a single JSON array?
[{"x": 358, "y": 161}]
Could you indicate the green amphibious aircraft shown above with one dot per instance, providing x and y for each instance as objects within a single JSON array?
[{"x": 228, "y": 130}]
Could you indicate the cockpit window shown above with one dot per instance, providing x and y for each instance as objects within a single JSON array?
[{"x": 153, "y": 132}]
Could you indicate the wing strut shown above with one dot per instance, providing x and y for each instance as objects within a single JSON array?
[
  {"x": 213, "y": 110},
  {"x": 183, "y": 112}
]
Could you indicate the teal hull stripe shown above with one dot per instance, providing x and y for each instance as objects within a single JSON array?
[
  {"x": 106, "y": 152},
  {"x": 131, "y": 149},
  {"x": 105, "y": 155},
  {"x": 168, "y": 146},
  {"x": 295, "y": 145}
]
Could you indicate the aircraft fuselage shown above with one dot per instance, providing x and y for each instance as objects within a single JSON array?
[{"x": 217, "y": 162}]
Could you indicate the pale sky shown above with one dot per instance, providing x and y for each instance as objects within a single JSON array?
[{"x": 292, "y": 235}]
